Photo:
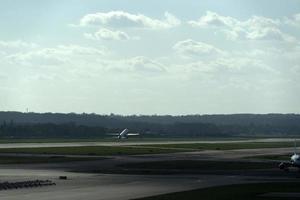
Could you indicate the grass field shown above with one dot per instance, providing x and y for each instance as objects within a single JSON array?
[
  {"x": 36, "y": 159},
  {"x": 233, "y": 192}
]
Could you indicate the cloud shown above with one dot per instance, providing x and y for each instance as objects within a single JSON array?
[
  {"x": 225, "y": 69},
  {"x": 74, "y": 61},
  {"x": 254, "y": 28},
  {"x": 107, "y": 34},
  {"x": 8, "y": 47},
  {"x": 121, "y": 19},
  {"x": 145, "y": 65},
  {"x": 3, "y": 76},
  {"x": 138, "y": 65},
  {"x": 256, "y": 22},
  {"x": 55, "y": 56},
  {"x": 191, "y": 48},
  {"x": 213, "y": 19},
  {"x": 17, "y": 44},
  {"x": 62, "y": 62},
  {"x": 293, "y": 21},
  {"x": 268, "y": 34},
  {"x": 297, "y": 17},
  {"x": 262, "y": 28}
]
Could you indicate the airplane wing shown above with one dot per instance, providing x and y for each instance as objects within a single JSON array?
[
  {"x": 113, "y": 134},
  {"x": 133, "y": 134}
]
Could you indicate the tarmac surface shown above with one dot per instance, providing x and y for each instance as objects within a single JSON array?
[
  {"x": 104, "y": 186},
  {"x": 81, "y": 184},
  {"x": 126, "y": 143}
]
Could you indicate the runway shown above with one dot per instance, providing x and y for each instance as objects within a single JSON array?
[
  {"x": 105, "y": 186},
  {"x": 128, "y": 143},
  {"x": 82, "y": 184}
]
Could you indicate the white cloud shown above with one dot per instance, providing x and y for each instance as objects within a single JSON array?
[
  {"x": 55, "y": 56},
  {"x": 255, "y": 28},
  {"x": 262, "y": 28},
  {"x": 17, "y": 44},
  {"x": 214, "y": 19},
  {"x": 3, "y": 76},
  {"x": 191, "y": 48},
  {"x": 145, "y": 65},
  {"x": 8, "y": 47},
  {"x": 79, "y": 50},
  {"x": 256, "y": 22},
  {"x": 294, "y": 21},
  {"x": 139, "y": 65},
  {"x": 226, "y": 69},
  {"x": 297, "y": 17},
  {"x": 121, "y": 19},
  {"x": 107, "y": 34},
  {"x": 74, "y": 61},
  {"x": 268, "y": 34}
]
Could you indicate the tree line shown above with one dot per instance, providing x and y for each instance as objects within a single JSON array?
[
  {"x": 58, "y": 125},
  {"x": 72, "y": 130}
]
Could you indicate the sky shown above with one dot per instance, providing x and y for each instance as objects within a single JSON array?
[{"x": 150, "y": 57}]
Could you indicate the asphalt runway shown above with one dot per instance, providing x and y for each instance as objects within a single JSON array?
[
  {"x": 97, "y": 186},
  {"x": 105, "y": 186},
  {"x": 128, "y": 142},
  {"x": 110, "y": 164}
]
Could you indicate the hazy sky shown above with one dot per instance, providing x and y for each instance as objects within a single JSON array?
[{"x": 150, "y": 57}]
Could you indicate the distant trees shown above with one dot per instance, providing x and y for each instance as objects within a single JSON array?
[
  {"x": 49, "y": 130},
  {"x": 193, "y": 129},
  {"x": 57, "y": 125}
]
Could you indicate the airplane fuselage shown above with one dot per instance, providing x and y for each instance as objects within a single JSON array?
[
  {"x": 123, "y": 134},
  {"x": 295, "y": 160}
]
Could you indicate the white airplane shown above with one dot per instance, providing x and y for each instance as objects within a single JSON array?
[
  {"x": 124, "y": 134},
  {"x": 294, "y": 162}
]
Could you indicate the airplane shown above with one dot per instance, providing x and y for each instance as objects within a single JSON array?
[
  {"x": 294, "y": 162},
  {"x": 124, "y": 134}
]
